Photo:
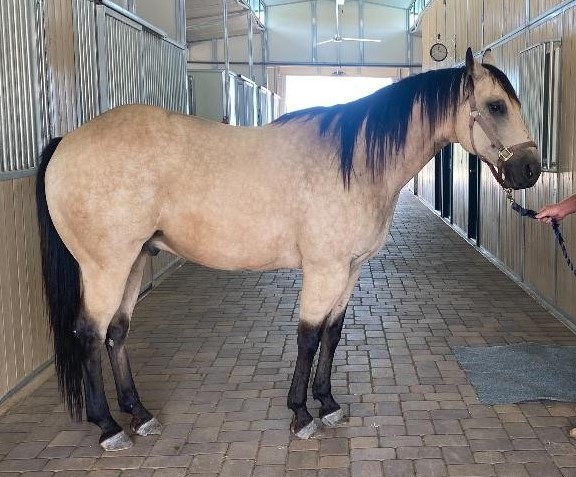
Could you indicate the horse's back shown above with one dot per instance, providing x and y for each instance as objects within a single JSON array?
[{"x": 211, "y": 193}]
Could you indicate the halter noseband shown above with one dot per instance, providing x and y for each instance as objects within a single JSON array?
[{"x": 504, "y": 153}]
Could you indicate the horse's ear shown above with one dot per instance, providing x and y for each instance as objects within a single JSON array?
[
  {"x": 488, "y": 58},
  {"x": 473, "y": 68}
]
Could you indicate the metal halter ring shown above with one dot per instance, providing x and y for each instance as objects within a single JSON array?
[{"x": 505, "y": 153}]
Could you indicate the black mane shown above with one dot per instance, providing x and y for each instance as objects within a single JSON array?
[{"x": 387, "y": 113}]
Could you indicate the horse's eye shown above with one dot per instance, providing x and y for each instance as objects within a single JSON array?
[{"x": 497, "y": 108}]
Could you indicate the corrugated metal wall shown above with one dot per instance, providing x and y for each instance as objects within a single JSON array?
[
  {"x": 19, "y": 73},
  {"x": 62, "y": 62},
  {"x": 525, "y": 247}
]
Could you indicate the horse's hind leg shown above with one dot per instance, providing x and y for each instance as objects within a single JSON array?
[
  {"x": 322, "y": 290},
  {"x": 112, "y": 436},
  {"x": 103, "y": 289},
  {"x": 143, "y": 423}
]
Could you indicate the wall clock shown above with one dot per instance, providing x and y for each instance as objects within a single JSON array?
[{"x": 438, "y": 51}]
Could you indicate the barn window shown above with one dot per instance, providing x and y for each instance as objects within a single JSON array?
[{"x": 539, "y": 94}]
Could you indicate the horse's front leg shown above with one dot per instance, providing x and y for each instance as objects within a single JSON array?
[
  {"x": 322, "y": 291},
  {"x": 330, "y": 411}
]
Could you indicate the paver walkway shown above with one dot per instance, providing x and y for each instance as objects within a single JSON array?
[{"x": 213, "y": 354}]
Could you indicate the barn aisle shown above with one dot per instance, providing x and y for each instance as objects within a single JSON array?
[{"x": 213, "y": 353}]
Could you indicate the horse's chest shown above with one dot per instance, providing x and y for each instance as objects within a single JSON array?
[{"x": 372, "y": 236}]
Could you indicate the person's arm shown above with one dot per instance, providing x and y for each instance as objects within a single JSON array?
[{"x": 557, "y": 211}]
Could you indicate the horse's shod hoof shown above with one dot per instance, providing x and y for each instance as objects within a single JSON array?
[
  {"x": 332, "y": 419},
  {"x": 117, "y": 442},
  {"x": 149, "y": 428},
  {"x": 307, "y": 431}
]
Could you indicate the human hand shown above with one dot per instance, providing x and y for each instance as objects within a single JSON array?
[{"x": 552, "y": 212}]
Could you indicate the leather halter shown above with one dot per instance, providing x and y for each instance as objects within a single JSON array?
[{"x": 504, "y": 153}]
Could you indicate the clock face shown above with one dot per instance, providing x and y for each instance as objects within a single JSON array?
[{"x": 438, "y": 52}]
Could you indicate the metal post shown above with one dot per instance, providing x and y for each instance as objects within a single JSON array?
[
  {"x": 408, "y": 39},
  {"x": 250, "y": 46},
  {"x": 361, "y": 30},
  {"x": 314, "y": 32},
  {"x": 265, "y": 47},
  {"x": 181, "y": 21},
  {"x": 265, "y": 51},
  {"x": 226, "y": 116}
]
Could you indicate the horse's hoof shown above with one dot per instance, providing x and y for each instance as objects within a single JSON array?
[
  {"x": 307, "y": 431},
  {"x": 149, "y": 428},
  {"x": 573, "y": 432},
  {"x": 332, "y": 419},
  {"x": 117, "y": 442}
]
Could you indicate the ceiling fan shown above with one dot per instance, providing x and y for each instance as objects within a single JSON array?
[{"x": 337, "y": 38}]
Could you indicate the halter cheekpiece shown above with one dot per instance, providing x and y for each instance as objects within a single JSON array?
[{"x": 504, "y": 152}]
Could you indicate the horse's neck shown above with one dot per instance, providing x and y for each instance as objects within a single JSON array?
[{"x": 422, "y": 143}]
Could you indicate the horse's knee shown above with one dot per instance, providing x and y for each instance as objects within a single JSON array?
[{"x": 308, "y": 338}]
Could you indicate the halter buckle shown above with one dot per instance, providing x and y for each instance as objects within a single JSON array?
[{"x": 505, "y": 153}]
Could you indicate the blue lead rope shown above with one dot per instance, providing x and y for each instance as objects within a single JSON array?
[{"x": 555, "y": 226}]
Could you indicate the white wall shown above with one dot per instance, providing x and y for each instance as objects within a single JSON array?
[
  {"x": 290, "y": 33},
  {"x": 160, "y": 14}
]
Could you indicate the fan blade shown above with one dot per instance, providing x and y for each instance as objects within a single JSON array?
[
  {"x": 362, "y": 39},
  {"x": 325, "y": 42}
]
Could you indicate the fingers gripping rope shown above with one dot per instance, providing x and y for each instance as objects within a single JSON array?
[{"x": 555, "y": 227}]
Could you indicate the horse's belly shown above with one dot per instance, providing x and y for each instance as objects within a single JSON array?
[{"x": 233, "y": 250}]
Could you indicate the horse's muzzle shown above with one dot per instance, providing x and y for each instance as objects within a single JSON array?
[{"x": 522, "y": 171}]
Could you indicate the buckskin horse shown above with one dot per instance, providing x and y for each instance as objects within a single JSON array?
[{"x": 315, "y": 190}]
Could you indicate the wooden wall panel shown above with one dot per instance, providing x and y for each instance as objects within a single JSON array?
[
  {"x": 426, "y": 183},
  {"x": 539, "y": 253},
  {"x": 24, "y": 341},
  {"x": 493, "y": 20},
  {"x": 474, "y": 21},
  {"x": 551, "y": 30},
  {"x": 511, "y": 225},
  {"x": 448, "y": 25},
  {"x": 430, "y": 32},
  {"x": 526, "y": 247},
  {"x": 460, "y": 179},
  {"x": 566, "y": 284},
  {"x": 161, "y": 263},
  {"x": 514, "y": 15},
  {"x": 538, "y": 7},
  {"x": 147, "y": 275},
  {"x": 461, "y": 30},
  {"x": 490, "y": 204}
]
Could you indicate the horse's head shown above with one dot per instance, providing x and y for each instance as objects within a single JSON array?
[{"x": 489, "y": 125}]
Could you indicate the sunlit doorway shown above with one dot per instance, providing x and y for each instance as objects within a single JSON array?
[{"x": 308, "y": 91}]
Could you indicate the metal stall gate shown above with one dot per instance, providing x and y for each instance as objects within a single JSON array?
[{"x": 62, "y": 62}]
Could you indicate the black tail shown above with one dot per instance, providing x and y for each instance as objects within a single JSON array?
[{"x": 62, "y": 289}]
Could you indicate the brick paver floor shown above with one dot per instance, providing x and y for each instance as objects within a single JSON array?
[{"x": 213, "y": 354}]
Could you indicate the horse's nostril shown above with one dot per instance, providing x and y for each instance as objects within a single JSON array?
[{"x": 529, "y": 171}]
